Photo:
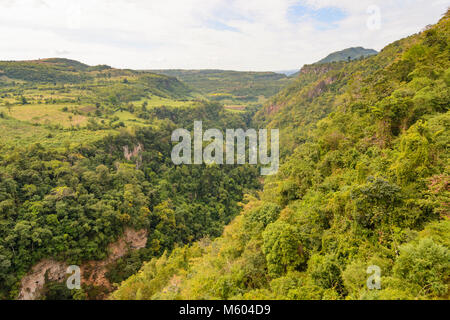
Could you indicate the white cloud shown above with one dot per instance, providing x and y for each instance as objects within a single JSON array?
[{"x": 225, "y": 34}]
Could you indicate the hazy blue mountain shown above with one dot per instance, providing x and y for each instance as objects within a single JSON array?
[{"x": 287, "y": 72}]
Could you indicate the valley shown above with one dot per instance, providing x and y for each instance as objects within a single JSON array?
[
  {"x": 363, "y": 185},
  {"x": 87, "y": 179}
]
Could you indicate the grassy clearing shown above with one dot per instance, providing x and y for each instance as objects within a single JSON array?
[
  {"x": 19, "y": 133},
  {"x": 235, "y": 108},
  {"x": 155, "y": 101},
  {"x": 129, "y": 119},
  {"x": 47, "y": 114}
]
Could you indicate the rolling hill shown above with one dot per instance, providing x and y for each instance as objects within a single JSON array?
[
  {"x": 231, "y": 87},
  {"x": 64, "y": 99},
  {"x": 348, "y": 54}
]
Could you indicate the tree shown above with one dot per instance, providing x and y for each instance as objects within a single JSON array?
[
  {"x": 8, "y": 106},
  {"x": 283, "y": 248},
  {"x": 23, "y": 100},
  {"x": 325, "y": 271}
]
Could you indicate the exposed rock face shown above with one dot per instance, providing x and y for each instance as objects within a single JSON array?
[
  {"x": 273, "y": 108},
  {"x": 316, "y": 69},
  {"x": 320, "y": 87},
  {"x": 320, "y": 82},
  {"x": 92, "y": 272},
  {"x": 136, "y": 153},
  {"x": 131, "y": 154},
  {"x": 32, "y": 284},
  {"x": 315, "y": 73}
]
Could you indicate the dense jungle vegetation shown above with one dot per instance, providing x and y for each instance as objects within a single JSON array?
[
  {"x": 85, "y": 153},
  {"x": 364, "y": 182}
]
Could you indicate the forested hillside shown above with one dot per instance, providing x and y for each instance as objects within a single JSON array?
[
  {"x": 70, "y": 203},
  {"x": 85, "y": 155},
  {"x": 364, "y": 182},
  {"x": 231, "y": 87}
]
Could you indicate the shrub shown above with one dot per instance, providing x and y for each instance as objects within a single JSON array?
[
  {"x": 426, "y": 264},
  {"x": 325, "y": 271}
]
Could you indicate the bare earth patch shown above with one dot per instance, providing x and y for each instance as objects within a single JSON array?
[
  {"x": 32, "y": 284},
  {"x": 92, "y": 272}
]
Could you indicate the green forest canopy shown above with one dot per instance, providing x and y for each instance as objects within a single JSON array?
[
  {"x": 367, "y": 184},
  {"x": 364, "y": 178}
]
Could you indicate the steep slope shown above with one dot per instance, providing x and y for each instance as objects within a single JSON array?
[
  {"x": 86, "y": 156},
  {"x": 366, "y": 188},
  {"x": 69, "y": 204}
]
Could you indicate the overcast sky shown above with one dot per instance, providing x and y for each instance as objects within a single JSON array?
[{"x": 193, "y": 34}]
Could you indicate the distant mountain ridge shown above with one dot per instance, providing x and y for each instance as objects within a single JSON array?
[
  {"x": 346, "y": 54},
  {"x": 287, "y": 72},
  {"x": 229, "y": 86},
  {"x": 353, "y": 53}
]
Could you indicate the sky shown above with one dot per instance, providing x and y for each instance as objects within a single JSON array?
[{"x": 258, "y": 35}]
